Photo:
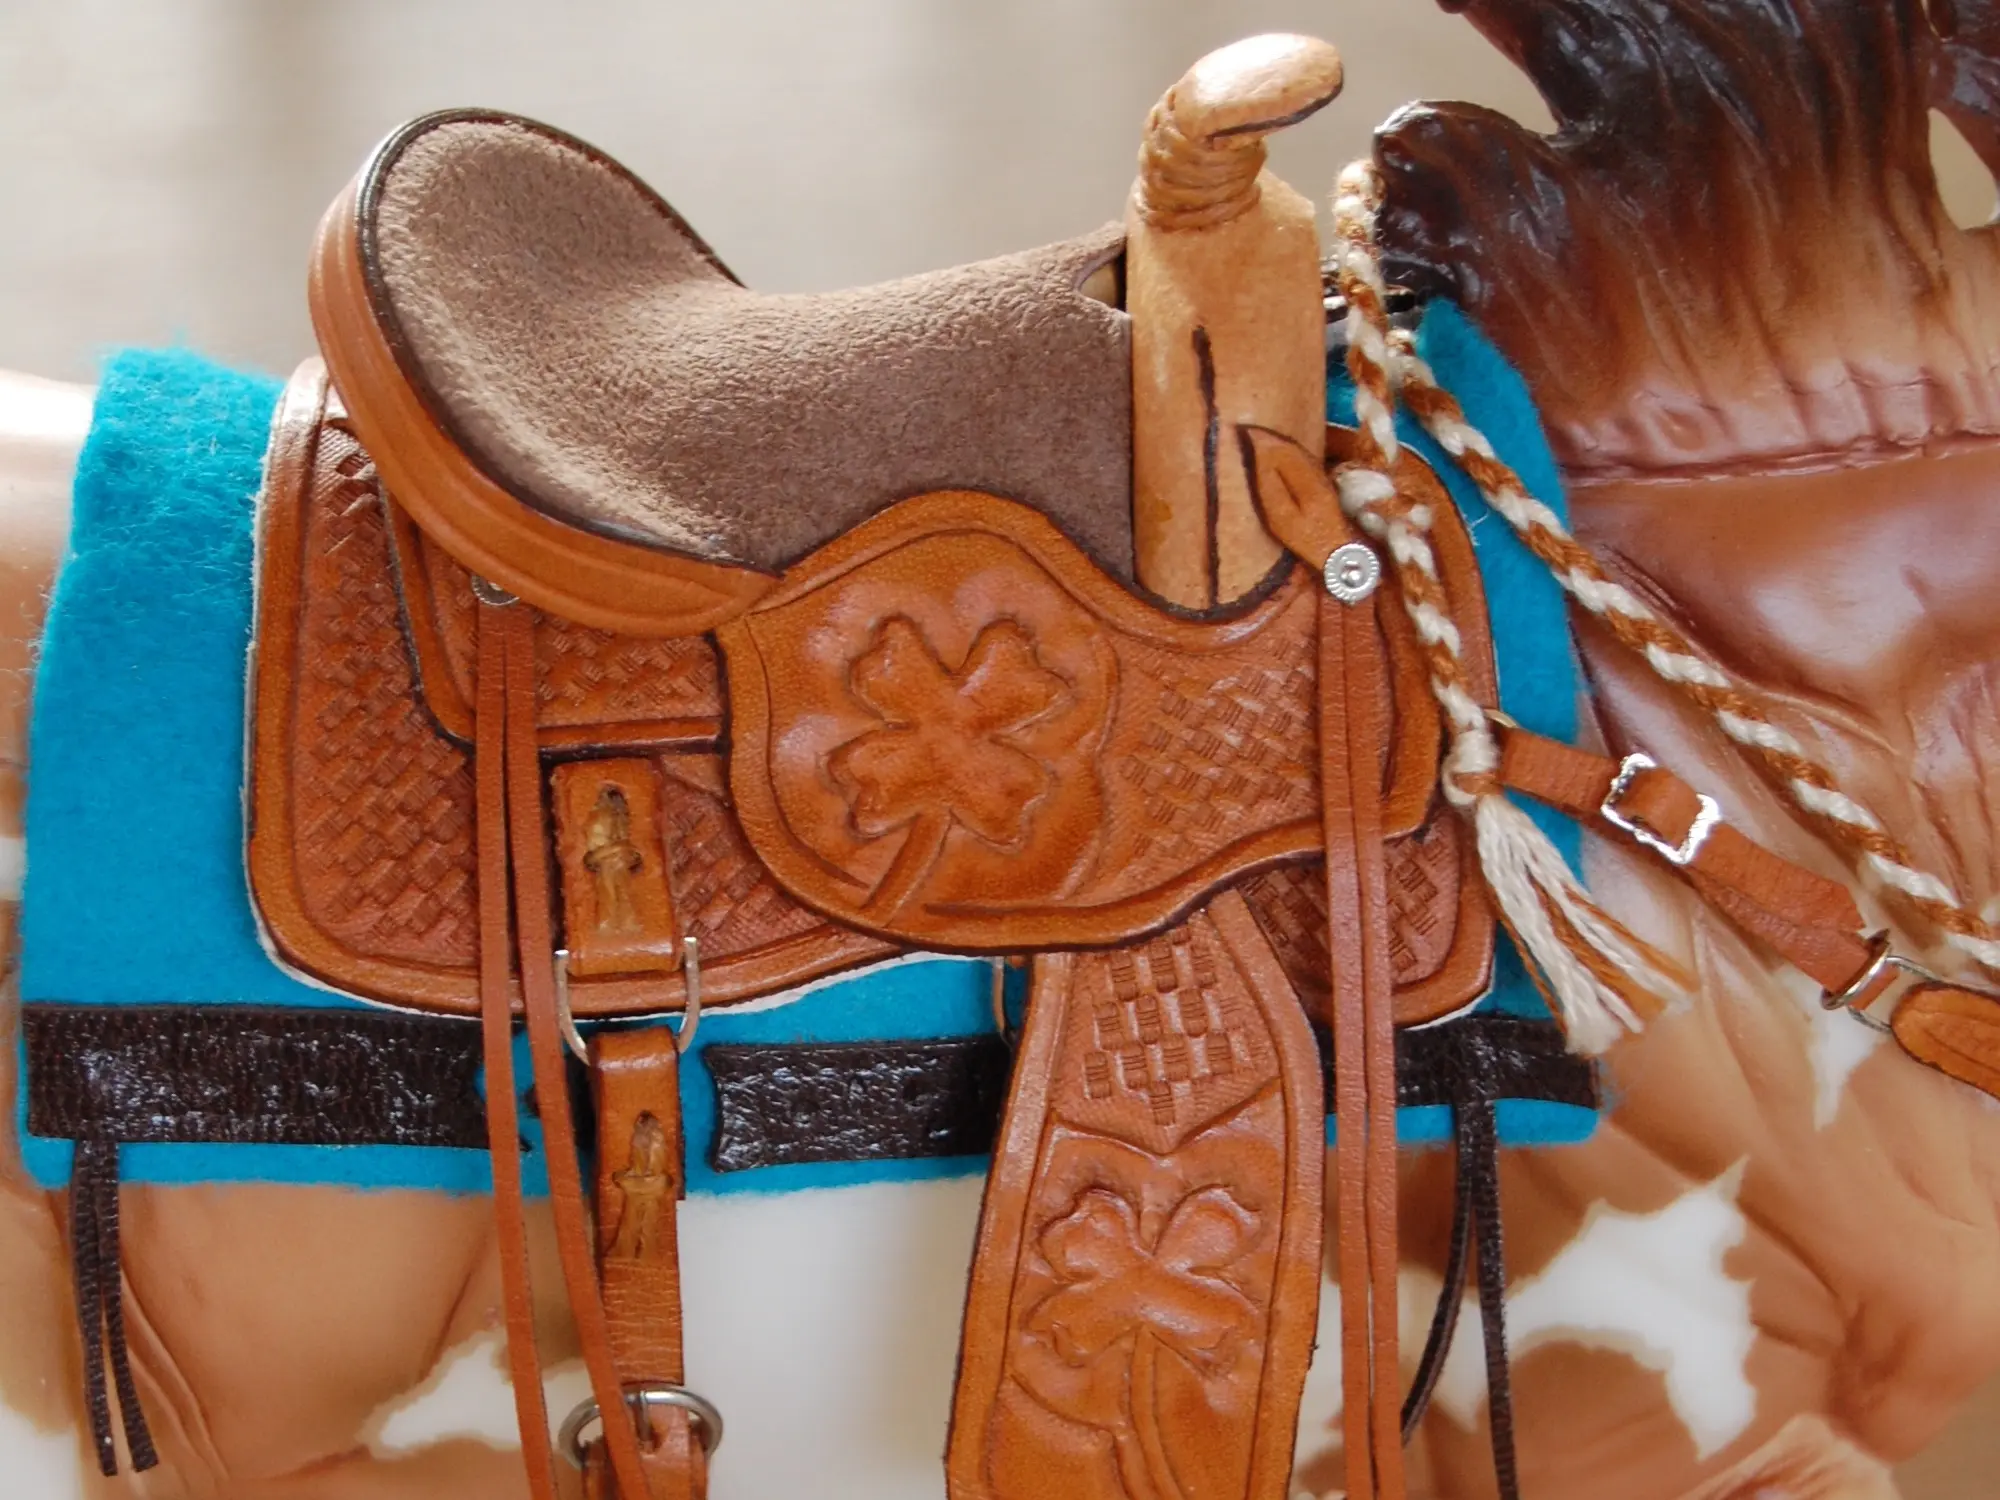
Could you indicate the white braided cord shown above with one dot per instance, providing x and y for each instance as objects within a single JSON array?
[
  {"x": 1531, "y": 884},
  {"x": 1746, "y": 725}
]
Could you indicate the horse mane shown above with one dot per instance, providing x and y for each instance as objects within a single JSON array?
[{"x": 1732, "y": 252}]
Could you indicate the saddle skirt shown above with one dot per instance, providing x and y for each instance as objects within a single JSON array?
[{"x": 1152, "y": 760}]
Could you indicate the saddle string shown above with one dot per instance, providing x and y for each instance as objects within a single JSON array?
[
  {"x": 1600, "y": 978},
  {"x": 1391, "y": 364}
]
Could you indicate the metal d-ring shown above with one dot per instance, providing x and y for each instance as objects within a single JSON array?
[
  {"x": 691, "y": 1008},
  {"x": 1861, "y": 997},
  {"x": 1002, "y": 1024},
  {"x": 640, "y": 1400},
  {"x": 690, "y": 1012},
  {"x": 565, "y": 1020}
]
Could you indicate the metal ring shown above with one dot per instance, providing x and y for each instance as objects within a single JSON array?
[
  {"x": 1871, "y": 986},
  {"x": 639, "y": 1400},
  {"x": 565, "y": 1021},
  {"x": 690, "y": 1013},
  {"x": 691, "y": 1009},
  {"x": 1002, "y": 1022}
]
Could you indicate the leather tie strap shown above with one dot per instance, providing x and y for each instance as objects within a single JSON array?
[
  {"x": 641, "y": 1177},
  {"x": 1297, "y": 501},
  {"x": 497, "y": 1027},
  {"x": 513, "y": 862},
  {"x": 527, "y": 820},
  {"x": 1351, "y": 733}
]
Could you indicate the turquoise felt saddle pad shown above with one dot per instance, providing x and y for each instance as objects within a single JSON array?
[{"x": 135, "y": 891}]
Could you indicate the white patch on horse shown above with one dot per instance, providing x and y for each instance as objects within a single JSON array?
[
  {"x": 467, "y": 1396},
  {"x": 38, "y": 1461},
  {"x": 825, "y": 1326},
  {"x": 1837, "y": 1044},
  {"x": 1650, "y": 1286}
]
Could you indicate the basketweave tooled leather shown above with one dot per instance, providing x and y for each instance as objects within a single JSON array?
[
  {"x": 361, "y": 849},
  {"x": 361, "y": 854}
]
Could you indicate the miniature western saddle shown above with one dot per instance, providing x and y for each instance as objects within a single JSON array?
[
  {"x": 629, "y": 642},
  {"x": 760, "y": 637}
]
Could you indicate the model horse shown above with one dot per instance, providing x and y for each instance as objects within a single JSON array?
[{"x": 1765, "y": 357}]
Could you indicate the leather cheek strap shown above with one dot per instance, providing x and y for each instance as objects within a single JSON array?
[{"x": 1810, "y": 921}]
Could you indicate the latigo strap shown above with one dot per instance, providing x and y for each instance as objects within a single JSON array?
[{"x": 1145, "y": 1286}]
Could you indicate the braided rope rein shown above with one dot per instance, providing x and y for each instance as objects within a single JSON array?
[
  {"x": 1599, "y": 978},
  {"x": 1384, "y": 361}
]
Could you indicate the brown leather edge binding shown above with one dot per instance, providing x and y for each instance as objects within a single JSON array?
[
  {"x": 446, "y": 699},
  {"x": 612, "y": 585}
]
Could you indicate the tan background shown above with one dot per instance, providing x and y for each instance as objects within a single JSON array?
[{"x": 162, "y": 162}]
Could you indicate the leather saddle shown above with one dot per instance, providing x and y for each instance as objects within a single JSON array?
[{"x": 628, "y": 641}]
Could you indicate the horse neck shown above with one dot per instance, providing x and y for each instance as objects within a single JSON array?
[{"x": 1856, "y": 593}]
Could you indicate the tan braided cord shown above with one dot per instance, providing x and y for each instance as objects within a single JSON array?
[
  {"x": 1600, "y": 980},
  {"x": 1386, "y": 365}
]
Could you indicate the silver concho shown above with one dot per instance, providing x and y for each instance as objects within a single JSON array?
[{"x": 1352, "y": 572}]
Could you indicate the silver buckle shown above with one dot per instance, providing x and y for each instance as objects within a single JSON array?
[
  {"x": 640, "y": 1400},
  {"x": 1707, "y": 818}
]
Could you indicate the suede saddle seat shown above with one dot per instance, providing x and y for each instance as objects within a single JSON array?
[{"x": 596, "y": 415}]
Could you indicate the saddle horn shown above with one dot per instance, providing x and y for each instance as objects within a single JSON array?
[{"x": 1223, "y": 286}]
